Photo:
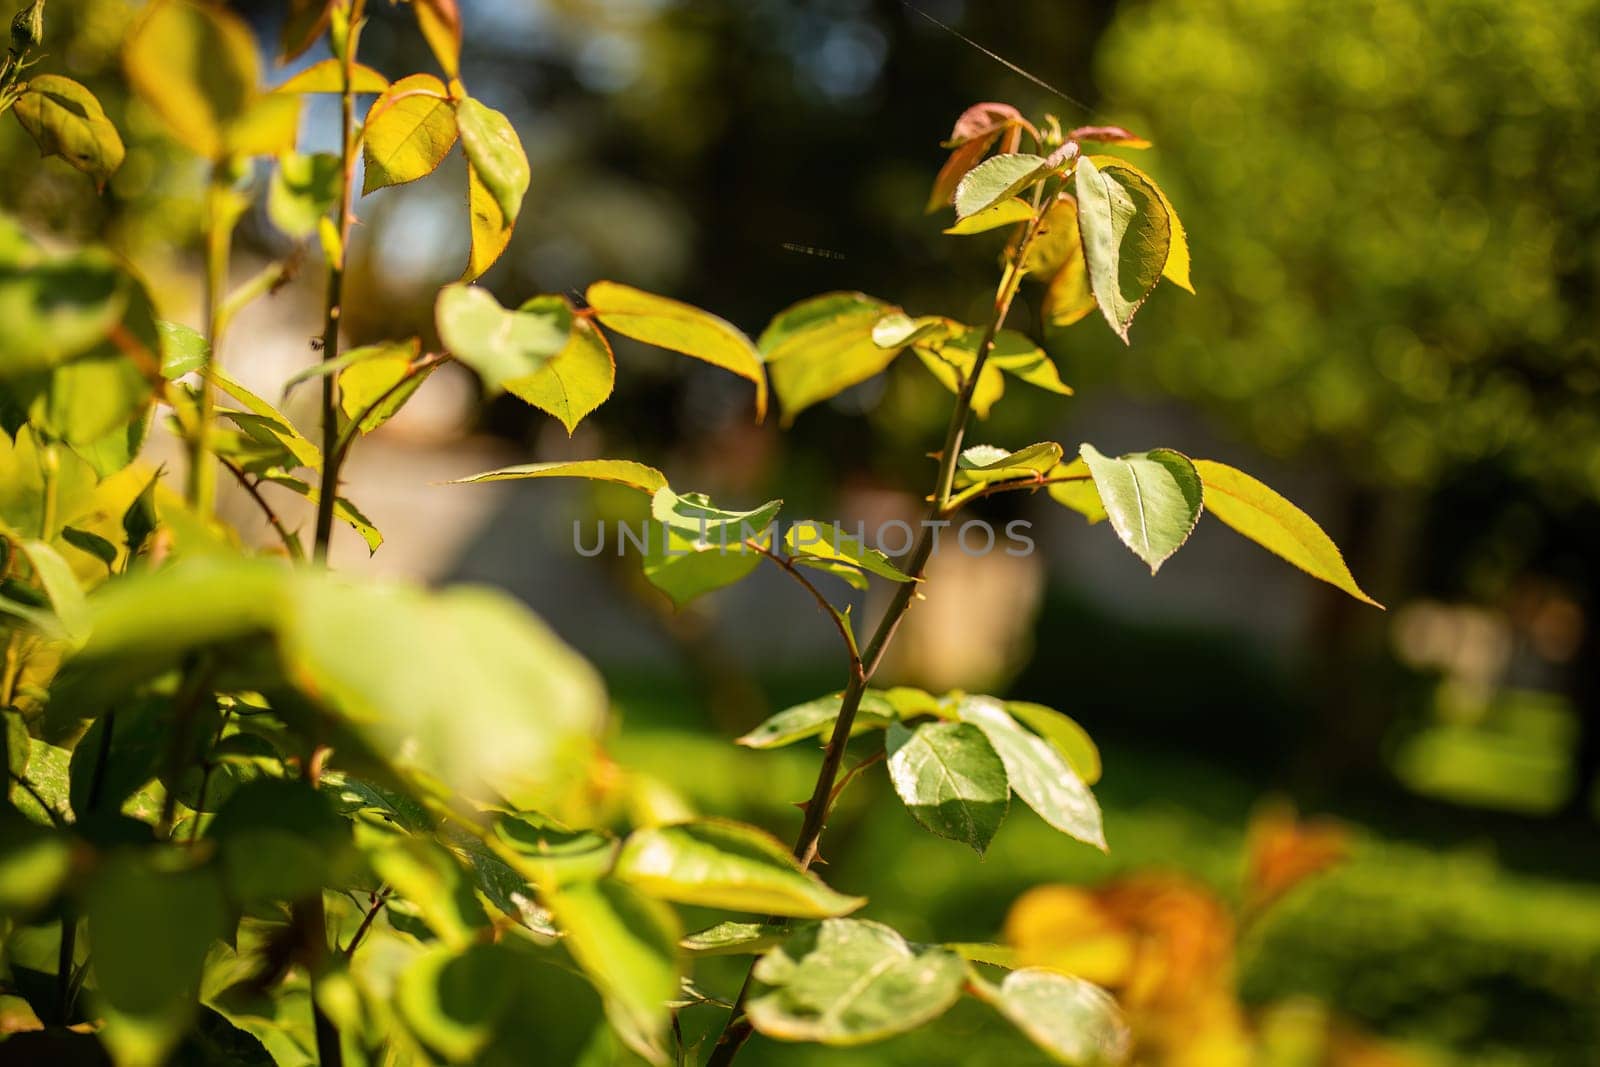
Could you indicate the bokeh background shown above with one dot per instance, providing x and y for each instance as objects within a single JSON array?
[{"x": 1393, "y": 207}]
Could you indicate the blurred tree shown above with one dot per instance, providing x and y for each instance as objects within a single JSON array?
[{"x": 1398, "y": 206}]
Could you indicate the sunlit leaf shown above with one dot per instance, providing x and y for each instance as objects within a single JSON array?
[
  {"x": 1037, "y": 772},
  {"x": 1126, "y": 236},
  {"x": 378, "y": 382},
  {"x": 822, "y": 346},
  {"x": 716, "y": 863},
  {"x": 183, "y": 349},
  {"x": 579, "y": 377},
  {"x": 1112, "y": 135},
  {"x": 1153, "y": 499},
  {"x": 494, "y": 153},
  {"x": 1004, "y": 213},
  {"x": 489, "y": 228},
  {"x": 981, "y": 464},
  {"x": 1259, "y": 513},
  {"x": 997, "y": 179},
  {"x": 825, "y": 544},
  {"x": 621, "y": 471},
  {"x": 951, "y": 360},
  {"x": 627, "y": 944},
  {"x": 61, "y": 586},
  {"x": 734, "y": 939},
  {"x": 409, "y": 130},
  {"x": 1075, "y": 1022},
  {"x": 950, "y": 779},
  {"x": 1018, "y": 356},
  {"x": 696, "y": 548},
  {"x": 327, "y": 76},
  {"x": 1176, "y": 267},
  {"x": 1070, "y": 739},
  {"x": 502, "y": 346},
  {"x": 343, "y": 509},
  {"x": 260, "y": 417},
  {"x": 440, "y": 23},
  {"x": 849, "y": 982},
  {"x": 1073, "y": 487},
  {"x": 64, "y": 119},
  {"x": 679, "y": 327},
  {"x": 815, "y": 718},
  {"x": 302, "y": 191}
]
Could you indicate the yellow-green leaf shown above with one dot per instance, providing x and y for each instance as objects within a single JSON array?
[
  {"x": 1259, "y": 513},
  {"x": 408, "y": 132},
  {"x": 680, "y": 327},
  {"x": 1073, "y": 487},
  {"x": 822, "y": 346},
  {"x": 577, "y": 379},
  {"x": 1018, "y": 356},
  {"x": 1126, "y": 236},
  {"x": 488, "y": 225},
  {"x": 621, "y": 471},
  {"x": 64, "y": 119},
  {"x": 376, "y": 384},
  {"x": 1004, "y": 213},
  {"x": 1153, "y": 499},
  {"x": 328, "y": 77},
  {"x": 1176, "y": 268},
  {"x": 440, "y": 23},
  {"x": 494, "y": 152},
  {"x": 196, "y": 66}
]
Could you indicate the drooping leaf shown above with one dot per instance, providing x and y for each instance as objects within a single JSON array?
[
  {"x": 378, "y": 382},
  {"x": 695, "y": 548},
  {"x": 1075, "y": 1022},
  {"x": 440, "y": 23},
  {"x": 816, "y": 717},
  {"x": 502, "y": 346},
  {"x": 196, "y": 66},
  {"x": 1176, "y": 267},
  {"x": 1070, "y": 739},
  {"x": 327, "y": 76},
  {"x": 716, "y": 863},
  {"x": 579, "y": 377},
  {"x": 489, "y": 228},
  {"x": 827, "y": 547},
  {"x": 343, "y": 509},
  {"x": 1003, "y": 213},
  {"x": 998, "y": 178},
  {"x": 822, "y": 346},
  {"x": 621, "y": 471},
  {"x": 303, "y": 190},
  {"x": 981, "y": 464},
  {"x": 734, "y": 939},
  {"x": 1018, "y": 356},
  {"x": 679, "y": 327},
  {"x": 1260, "y": 514},
  {"x": 849, "y": 982},
  {"x": 950, "y": 779},
  {"x": 495, "y": 155},
  {"x": 1153, "y": 499},
  {"x": 408, "y": 132},
  {"x": 261, "y": 418},
  {"x": 1057, "y": 240},
  {"x": 1037, "y": 772},
  {"x": 1126, "y": 235},
  {"x": 627, "y": 944},
  {"x": 64, "y": 119},
  {"x": 1067, "y": 296}
]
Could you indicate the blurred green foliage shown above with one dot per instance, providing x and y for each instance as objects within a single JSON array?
[{"x": 1397, "y": 207}]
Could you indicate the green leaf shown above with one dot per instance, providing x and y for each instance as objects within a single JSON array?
[
  {"x": 578, "y": 378},
  {"x": 1176, "y": 267},
  {"x": 627, "y": 944},
  {"x": 302, "y": 191},
  {"x": 1126, "y": 237},
  {"x": 1018, "y": 356},
  {"x": 996, "y": 179},
  {"x": 982, "y": 464},
  {"x": 820, "y": 347},
  {"x": 150, "y": 925},
  {"x": 1153, "y": 499},
  {"x": 502, "y": 346},
  {"x": 260, "y": 419},
  {"x": 61, "y": 586},
  {"x": 466, "y": 1005},
  {"x": 827, "y": 547},
  {"x": 379, "y": 381},
  {"x": 1075, "y": 1022},
  {"x": 183, "y": 349},
  {"x": 734, "y": 939},
  {"x": 280, "y": 840},
  {"x": 697, "y": 548},
  {"x": 64, "y": 119},
  {"x": 816, "y": 717},
  {"x": 57, "y": 308},
  {"x": 716, "y": 863},
  {"x": 196, "y": 66},
  {"x": 896, "y": 329},
  {"x": 849, "y": 982},
  {"x": 679, "y": 327},
  {"x": 951, "y": 359},
  {"x": 621, "y": 471},
  {"x": 490, "y": 229},
  {"x": 950, "y": 779},
  {"x": 409, "y": 130},
  {"x": 92, "y": 543},
  {"x": 428, "y": 877},
  {"x": 1037, "y": 772},
  {"x": 1070, "y": 739},
  {"x": 96, "y": 395},
  {"x": 996, "y": 215},
  {"x": 494, "y": 152},
  {"x": 550, "y": 854},
  {"x": 34, "y": 862},
  {"x": 1255, "y": 511},
  {"x": 327, "y": 76},
  {"x": 46, "y": 800}
]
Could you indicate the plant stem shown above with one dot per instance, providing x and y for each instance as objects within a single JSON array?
[
  {"x": 737, "y": 1029},
  {"x": 291, "y": 543},
  {"x": 328, "y": 493},
  {"x": 202, "y": 488}
]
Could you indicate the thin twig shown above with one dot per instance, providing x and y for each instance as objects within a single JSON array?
[
  {"x": 290, "y": 541},
  {"x": 993, "y": 488},
  {"x": 379, "y": 897},
  {"x": 827, "y": 607}
]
